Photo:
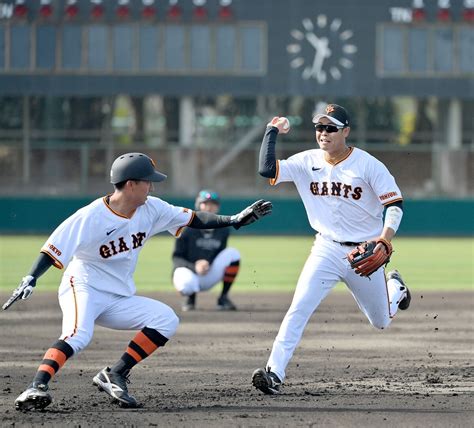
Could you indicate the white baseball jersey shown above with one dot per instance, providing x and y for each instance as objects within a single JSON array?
[
  {"x": 100, "y": 246},
  {"x": 344, "y": 201}
]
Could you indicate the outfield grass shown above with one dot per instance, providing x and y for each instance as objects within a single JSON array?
[{"x": 268, "y": 263}]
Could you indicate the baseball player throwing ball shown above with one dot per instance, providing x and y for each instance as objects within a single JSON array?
[
  {"x": 201, "y": 258},
  {"x": 345, "y": 191},
  {"x": 100, "y": 244}
]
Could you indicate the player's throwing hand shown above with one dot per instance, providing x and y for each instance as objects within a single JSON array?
[{"x": 281, "y": 123}]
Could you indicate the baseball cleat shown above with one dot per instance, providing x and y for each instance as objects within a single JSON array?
[
  {"x": 225, "y": 304},
  {"x": 115, "y": 384},
  {"x": 36, "y": 396},
  {"x": 189, "y": 304},
  {"x": 405, "y": 299},
  {"x": 266, "y": 381}
]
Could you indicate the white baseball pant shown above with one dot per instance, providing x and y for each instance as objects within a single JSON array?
[
  {"x": 188, "y": 282},
  {"x": 324, "y": 268},
  {"x": 84, "y": 306}
]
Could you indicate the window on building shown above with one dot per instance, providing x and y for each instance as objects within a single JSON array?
[
  {"x": 71, "y": 48},
  {"x": 175, "y": 46},
  {"x": 97, "y": 48},
  {"x": 134, "y": 47},
  {"x": 443, "y": 50},
  {"x": 418, "y": 50},
  {"x": 124, "y": 42},
  {"x": 392, "y": 49},
  {"x": 200, "y": 40},
  {"x": 225, "y": 47},
  {"x": 466, "y": 50},
  {"x": 252, "y": 48},
  {"x": 427, "y": 49},
  {"x": 148, "y": 45},
  {"x": 46, "y": 47},
  {"x": 20, "y": 46}
]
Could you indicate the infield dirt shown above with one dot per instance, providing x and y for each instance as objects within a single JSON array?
[{"x": 419, "y": 372}]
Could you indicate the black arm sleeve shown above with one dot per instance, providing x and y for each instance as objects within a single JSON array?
[
  {"x": 398, "y": 204},
  {"x": 41, "y": 265},
  {"x": 205, "y": 220},
  {"x": 267, "y": 158}
]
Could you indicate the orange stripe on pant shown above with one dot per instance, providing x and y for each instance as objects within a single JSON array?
[
  {"x": 145, "y": 343},
  {"x": 232, "y": 270}
]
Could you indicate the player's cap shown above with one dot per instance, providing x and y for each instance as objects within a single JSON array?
[
  {"x": 206, "y": 195},
  {"x": 134, "y": 166},
  {"x": 335, "y": 113}
]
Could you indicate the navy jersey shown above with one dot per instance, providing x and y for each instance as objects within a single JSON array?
[{"x": 197, "y": 244}]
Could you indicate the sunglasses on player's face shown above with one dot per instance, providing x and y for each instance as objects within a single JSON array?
[{"x": 328, "y": 128}]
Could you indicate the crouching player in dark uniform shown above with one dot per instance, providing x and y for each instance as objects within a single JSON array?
[{"x": 201, "y": 259}]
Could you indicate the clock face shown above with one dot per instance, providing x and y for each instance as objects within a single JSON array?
[{"x": 322, "y": 50}]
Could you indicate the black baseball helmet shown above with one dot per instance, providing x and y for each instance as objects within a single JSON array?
[
  {"x": 205, "y": 196},
  {"x": 134, "y": 166}
]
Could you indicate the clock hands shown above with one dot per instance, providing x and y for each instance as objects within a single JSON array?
[
  {"x": 335, "y": 44},
  {"x": 321, "y": 46}
]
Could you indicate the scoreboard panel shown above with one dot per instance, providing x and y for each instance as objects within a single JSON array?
[{"x": 238, "y": 46}]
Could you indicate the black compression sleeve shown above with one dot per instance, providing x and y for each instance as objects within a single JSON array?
[
  {"x": 267, "y": 158},
  {"x": 205, "y": 220},
  {"x": 41, "y": 265},
  {"x": 398, "y": 204}
]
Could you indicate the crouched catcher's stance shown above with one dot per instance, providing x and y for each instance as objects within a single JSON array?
[
  {"x": 100, "y": 244},
  {"x": 202, "y": 259},
  {"x": 344, "y": 191}
]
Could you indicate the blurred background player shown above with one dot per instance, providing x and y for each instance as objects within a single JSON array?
[{"x": 201, "y": 258}]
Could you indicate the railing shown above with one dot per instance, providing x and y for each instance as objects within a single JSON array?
[{"x": 81, "y": 167}]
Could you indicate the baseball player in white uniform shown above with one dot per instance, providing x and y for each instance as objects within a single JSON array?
[
  {"x": 100, "y": 245},
  {"x": 345, "y": 191}
]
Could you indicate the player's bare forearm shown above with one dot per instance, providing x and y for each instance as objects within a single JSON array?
[{"x": 387, "y": 234}]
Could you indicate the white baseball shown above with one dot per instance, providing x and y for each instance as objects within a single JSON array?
[{"x": 285, "y": 123}]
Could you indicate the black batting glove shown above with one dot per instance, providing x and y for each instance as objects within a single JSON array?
[
  {"x": 252, "y": 213},
  {"x": 23, "y": 291}
]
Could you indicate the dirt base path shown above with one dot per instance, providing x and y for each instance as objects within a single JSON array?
[{"x": 419, "y": 372}]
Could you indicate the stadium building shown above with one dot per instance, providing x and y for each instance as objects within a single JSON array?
[{"x": 193, "y": 83}]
